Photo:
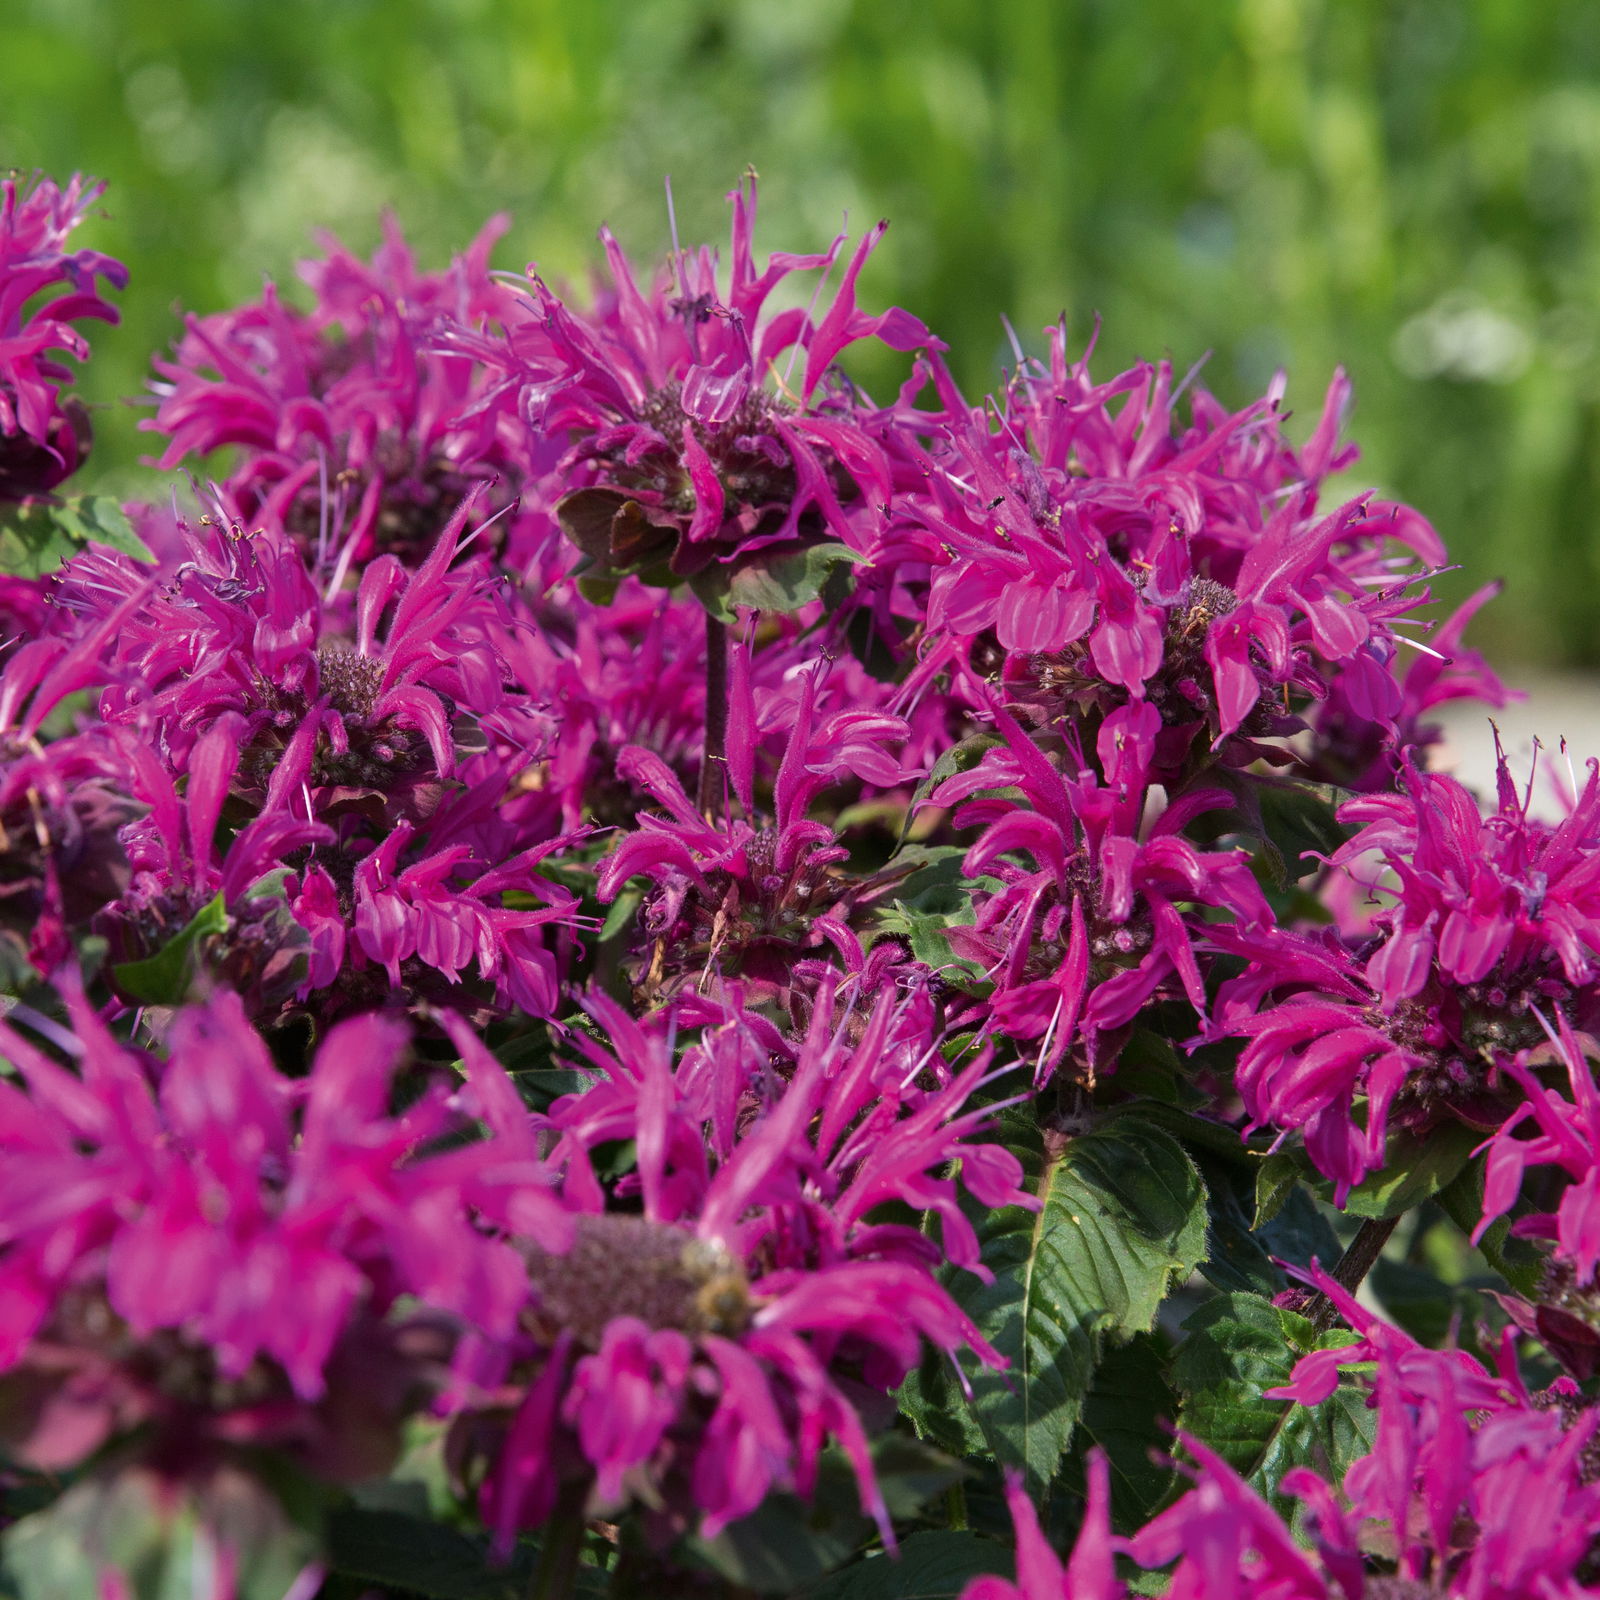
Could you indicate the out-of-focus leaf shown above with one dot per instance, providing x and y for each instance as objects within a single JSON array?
[
  {"x": 787, "y": 1542},
  {"x": 933, "y": 1565},
  {"x": 1519, "y": 1261},
  {"x": 163, "y": 979},
  {"x": 164, "y": 1544},
  {"x": 420, "y": 1556},
  {"x": 36, "y": 539}
]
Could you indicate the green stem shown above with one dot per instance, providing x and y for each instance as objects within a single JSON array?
[
  {"x": 716, "y": 746},
  {"x": 956, "y": 1506}
]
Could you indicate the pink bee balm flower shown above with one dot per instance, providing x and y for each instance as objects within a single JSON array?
[
  {"x": 154, "y": 1209},
  {"x": 43, "y": 438},
  {"x": 697, "y": 1349},
  {"x": 1081, "y": 941},
  {"x": 351, "y": 429},
  {"x": 1089, "y": 1575},
  {"x": 1117, "y": 556},
  {"x": 691, "y": 445},
  {"x": 1493, "y": 918}
]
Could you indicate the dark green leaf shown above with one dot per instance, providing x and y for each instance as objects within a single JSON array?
[
  {"x": 425, "y": 1557},
  {"x": 1299, "y": 1232},
  {"x": 788, "y": 1542},
  {"x": 962, "y": 757},
  {"x": 163, "y": 979},
  {"x": 935, "y": 1565},
  {"x": 934, "y": 897},
  {"x": 1128, "y": 1413},
  {"x": 36, "y": 539},
  {"x": 1297, "y": 819},
  {"x": 1276, "y": 1178},
  {"x": 1519, "y": 1261},
  {"x": 1123, "y": 1214},
  {"x": 1235, "y": 1258},
  {"x": 1239, "y": 1346},
  {"x": 1416, "y": 1167}
]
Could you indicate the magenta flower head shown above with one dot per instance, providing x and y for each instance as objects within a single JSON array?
[
  {"x": 240, "y": 628},
  {"x": 43, "y": 437},
  {"x": 695, "y": 1350},
  {"x": 153, "y": 1209},
  {"x": 1089, "y": 923},
  {"x": 62, "y": 802},
  {"x": 1108, "y": 554},
  {"x": 707, "y": 426},
  {"x": 1459, "y": 1455},
  {"x": 351, "y": 428},
  {"x": 1492, "y": 918},
  {"x": 741, "y": 899},
  {"x": 1551, "y": 1130}
]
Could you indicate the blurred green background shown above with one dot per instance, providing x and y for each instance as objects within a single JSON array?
[{"x": 1410, "y": 187}]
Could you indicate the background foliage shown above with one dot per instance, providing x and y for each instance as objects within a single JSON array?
[{"x": 1405, "y": 186}]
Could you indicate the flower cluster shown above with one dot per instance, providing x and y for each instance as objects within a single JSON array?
[
  {"x": 608, "y": 912},
  {"x": 44, "y": 290}
]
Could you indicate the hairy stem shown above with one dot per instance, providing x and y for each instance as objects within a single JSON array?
[
  {"x": 713, "y": 760},
  {"x": 1354, "y": 1265}
]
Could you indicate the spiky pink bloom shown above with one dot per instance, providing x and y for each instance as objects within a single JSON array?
[
  {"x": 1084, "y": 938},
  {"x": 43, "y": 438},
  {"x": 1550, "y": 1130},
  {"x": 1491, "y": 918},
  {"x": 1459, "y": 1455},
  {"x": 1115, "y": 555},
  {"x": 745, "y": 897},
  {"x": 351, "y": 429},
  {"x": 697, "y": 1349},
  {"x": 690, "y": 446},
  {"x": 156, "y": 1208},
  {"x": 241, "y": 628}
]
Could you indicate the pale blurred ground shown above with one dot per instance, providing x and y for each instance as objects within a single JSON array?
[{"x": 1557, "y": 707}]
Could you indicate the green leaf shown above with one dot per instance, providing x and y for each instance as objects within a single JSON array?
[
  {"x": 962, "y": 757},
  {"x": 787, "y": 1542},
  {"x": 1519, "y": 1261},
  {"x": 163, "y": 979},
  {"x": 1276, "y": 1178},
  {"x": 1241, "y": 1345},
  {"x": 778, "y": 579},
  {"x": 424, "y": 1557},
  {"x": 1127, "y": 1413},
  {"x": 933, "y": 1565},
  {"x": 1415, "y": 1168},
  {"x": 1296, "y": 819},
  {"x": 1123, "y": 1214},
  {"x": 36, "y": 539},
  {"x": 1235, "y": 1258},
  {"x": 934, "y": 897}
]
